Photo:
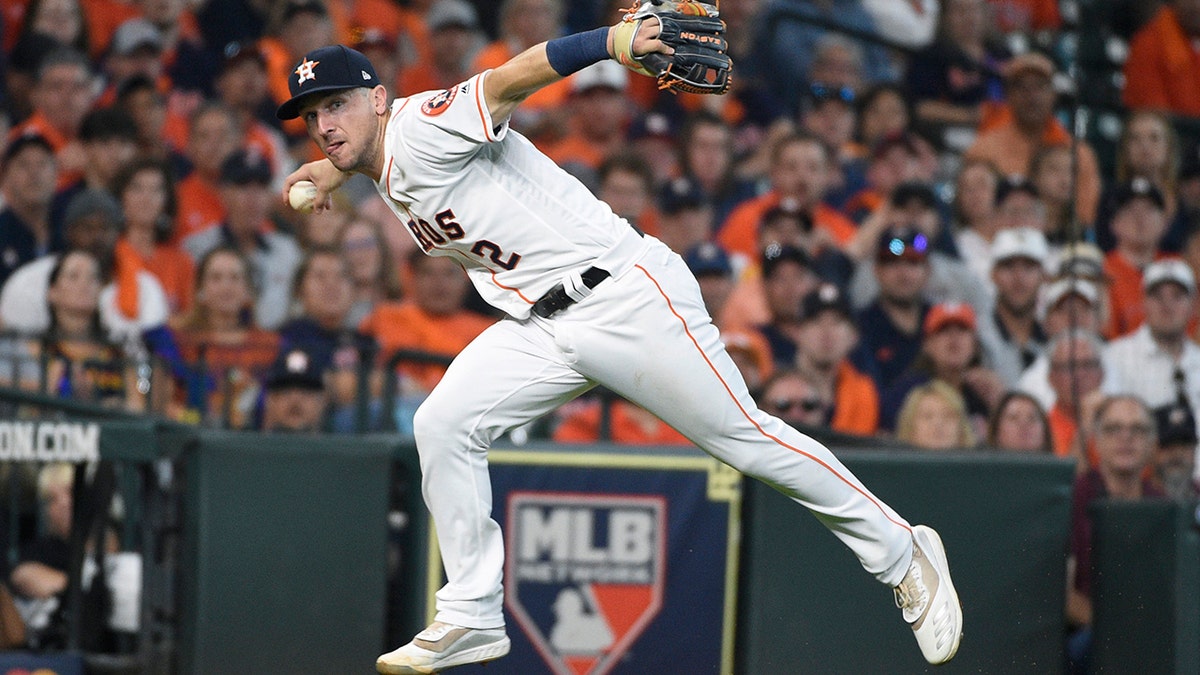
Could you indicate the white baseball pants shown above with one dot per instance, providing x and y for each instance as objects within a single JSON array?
[{"x": 646, "y": 336}]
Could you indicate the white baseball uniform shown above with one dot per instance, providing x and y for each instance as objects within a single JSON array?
[{"x": 468, "y": 187}]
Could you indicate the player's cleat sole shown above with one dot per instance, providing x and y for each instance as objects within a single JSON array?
[
  {"x": 442, "y": 646},
  {"x": 928, "y": 599}
]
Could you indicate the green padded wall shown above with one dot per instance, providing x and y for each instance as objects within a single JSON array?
[
  {"x": 1147, "y": 588},
  {"x": 807, "y": 606},
  {"x": 285, "y": 554}
]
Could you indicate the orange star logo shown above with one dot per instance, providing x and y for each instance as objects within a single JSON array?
[{"x": 305, "y": 71}]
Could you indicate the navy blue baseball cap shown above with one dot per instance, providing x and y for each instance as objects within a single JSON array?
[
  {"x": 326, "y": 69},
  {"x": 707, "y": 258}
]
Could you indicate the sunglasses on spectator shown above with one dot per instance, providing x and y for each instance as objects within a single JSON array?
[
  {"x": 900, "y": 247},
  {"x": 1135, "y": 430},
  {"x": 824, "y": 92},
  {"x": 807, "y": 405}
]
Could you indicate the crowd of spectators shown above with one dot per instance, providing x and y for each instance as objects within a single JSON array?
[
  {"x": 879, "y": 216},
  {"x": 896, "y": 237}
]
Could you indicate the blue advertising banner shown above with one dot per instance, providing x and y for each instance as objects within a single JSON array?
[{"x": 615, "y": 564}]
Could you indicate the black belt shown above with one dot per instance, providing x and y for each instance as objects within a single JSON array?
[{"x": 556, "y": 299}]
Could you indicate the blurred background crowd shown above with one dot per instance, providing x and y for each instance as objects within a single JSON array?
[{"x": 957, "y": 223}]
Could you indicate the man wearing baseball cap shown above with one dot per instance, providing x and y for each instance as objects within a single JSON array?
[
  {"x": 1029, "y": 89},
  {"x": 949, "y": 352},
  {"x": 275, "y": 256},
  {"x": 826, "y": 337},
  {"x": 1175, "y": 460},
  {"x": 1158, "y": 362},
  {"x": 890, "y": 327},
  {"x": 915, "y": 205},
  {"x": 295, "y": 398},
  {"x": 1138, "y": 225},
  {"x": 1014, "y": 338}
]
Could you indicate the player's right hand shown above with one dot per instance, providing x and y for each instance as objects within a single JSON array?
[{"x": 324, "y": 175}]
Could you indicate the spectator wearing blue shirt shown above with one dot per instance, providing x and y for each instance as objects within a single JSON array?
[
  {"x": 27, "y": 178},
  {"x": 324, "y": 291},
  {"x": 891, "y": 325}
]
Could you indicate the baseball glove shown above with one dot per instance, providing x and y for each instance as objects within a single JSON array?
[{"x": 699, "y": 64}]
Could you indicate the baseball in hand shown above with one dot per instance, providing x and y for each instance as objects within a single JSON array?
[{"x": 302, "y": 196}]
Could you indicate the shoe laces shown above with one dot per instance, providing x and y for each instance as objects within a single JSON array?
[{"x": 912, "y": 595}]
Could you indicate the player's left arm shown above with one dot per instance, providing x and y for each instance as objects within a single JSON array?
[{"x": 509, "y": 84}]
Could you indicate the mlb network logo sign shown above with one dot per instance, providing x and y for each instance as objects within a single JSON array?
[{"x": 585, "y": 574}]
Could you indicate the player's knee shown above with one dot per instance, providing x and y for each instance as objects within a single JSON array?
[{"x": 430, "y": 423}]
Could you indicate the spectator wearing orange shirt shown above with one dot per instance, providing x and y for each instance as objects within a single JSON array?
[
  {"x": 109, "y": 140},
  {"x": 242, "y": 86},
  {"x": 214, "y": 135},
  {"x": 146, "y": 191},
  {"x": 800, "y": 170},
  {"x": 1012, "y": 144},
  {"x": 298, "y": 27},
  {"x": 826, "y": 336},
  {"x": 1025, "y": 16},
  {"x": 783, "y": 225},
  {"x": 599, "y": 114},
  {"x": 1076, "y": 373},
  {"x": 582, "y": 421},
  {"x": 432, "y": 319},
  {"x": 1139, "y": 223},
  {"x": 61, "y": 98},
  {"x": 523, "y": 24},
  {"x": 625, "y": 182},
  {"x": 141, "y": 99},
  {"x": 793, "y": 398},
  {"x": 1160, "y": 72},
  {"x": 454, "y": 27}
]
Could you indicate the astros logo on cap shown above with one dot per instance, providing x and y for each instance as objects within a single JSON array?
[{"x": 305, "y": 71}]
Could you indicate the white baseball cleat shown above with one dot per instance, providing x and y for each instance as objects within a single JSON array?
[
  {"x": 927, "y": 597},
  {"x": 442, "y": 646}
]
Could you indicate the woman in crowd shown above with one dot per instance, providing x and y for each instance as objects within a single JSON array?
[
  {"x": 218, "y": 337},
  {"x": 934, "y": 417},
  {"x": 1050, "y": 173},
  {"x": 79, "y": 359},
  {"x": 146, "y": 190},
  {"x": 1149, "y": 148},
  {"x": 956, "y": 80},
  {"x": 1020, "y": 425},
  {"x": 63, "y": 20},
  {"x": 974, "y": 210},
  {"x": 373, "y": 269},
  {"x": 706, "y": 155},
  {"x": 883, "y": 111}
]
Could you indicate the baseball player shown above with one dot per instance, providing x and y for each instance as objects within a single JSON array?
[{"x": 589, "y": 300}]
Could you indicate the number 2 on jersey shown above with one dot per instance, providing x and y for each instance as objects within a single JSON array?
[{"x": 448, "y": 229}]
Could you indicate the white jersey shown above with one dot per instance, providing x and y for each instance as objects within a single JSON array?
[{"x": 466, "y": 186}]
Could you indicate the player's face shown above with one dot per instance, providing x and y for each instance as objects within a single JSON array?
[{"x": 344, "y": 125}]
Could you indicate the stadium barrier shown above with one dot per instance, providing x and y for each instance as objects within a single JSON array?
[{"x": 259, "y": 548}]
